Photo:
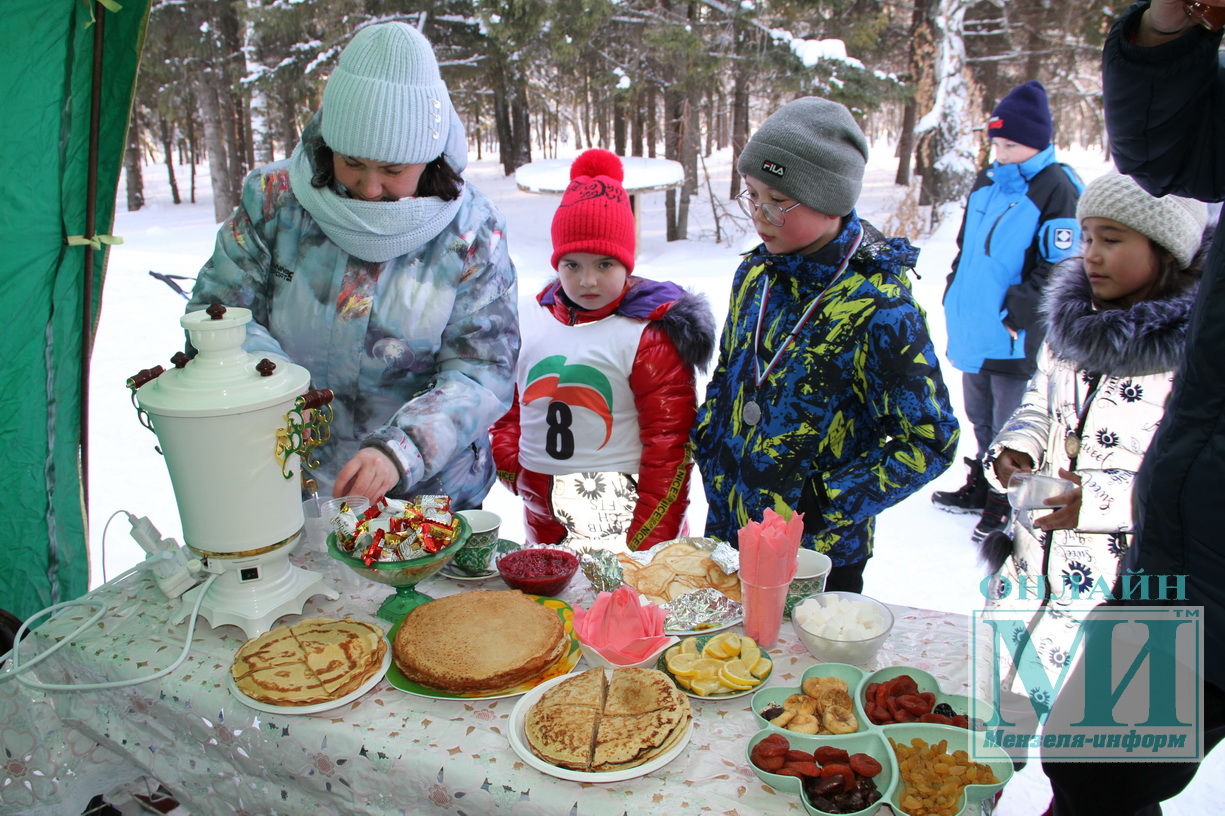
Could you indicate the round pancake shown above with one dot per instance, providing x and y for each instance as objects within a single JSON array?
[{"x": 460, "y": 643}]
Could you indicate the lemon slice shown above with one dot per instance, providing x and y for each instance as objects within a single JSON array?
[
  {"x": 761, "y": 668},
  {"x": 749, "y": 651},
  {"x": 707, "y": 668},
  {"x": 672, "y": 652},
  {"x": 735, "y": 673},
  {"x": 722, "y": 646},
  {"x": 681, "y": 665},
  {"x": 683, "y": 682},
  {"x": 689, "y": 645},
  {"x": 707, "y": 687}
]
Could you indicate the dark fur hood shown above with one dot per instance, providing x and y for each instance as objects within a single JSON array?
[
  {"x": 690, "y": 325},
  {"x": 1147, "y": 338}
]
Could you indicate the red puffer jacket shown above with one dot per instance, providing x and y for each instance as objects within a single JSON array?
[{"x": 678, "y": 340}]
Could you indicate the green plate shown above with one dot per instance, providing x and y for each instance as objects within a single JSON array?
[
  {"x": 563, "y": 665},
  {"x": 662, "y": 665}
]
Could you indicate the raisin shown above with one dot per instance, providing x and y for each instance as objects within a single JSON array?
[
  {"x": 771, "y": 712},
  {"x": 843, "y": 771},
  {"x": 944, "y": 709}
]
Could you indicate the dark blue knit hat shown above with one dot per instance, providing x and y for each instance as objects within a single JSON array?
[{"x": 1023, "y": 116}]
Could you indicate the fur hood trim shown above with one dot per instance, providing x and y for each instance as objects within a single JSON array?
[
  {"x": 1147, "y": 338},
  {"x": 690, "y": 326}
]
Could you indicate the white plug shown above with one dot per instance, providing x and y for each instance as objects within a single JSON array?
[{"x": 171, "y": 569}]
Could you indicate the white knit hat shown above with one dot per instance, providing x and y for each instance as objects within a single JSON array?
[
  {"x": 386, "y": 100},
  {"x": 1173, "y": 222}
]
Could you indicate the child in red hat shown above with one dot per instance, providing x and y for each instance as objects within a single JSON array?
[{"x": 595, "y": 442}]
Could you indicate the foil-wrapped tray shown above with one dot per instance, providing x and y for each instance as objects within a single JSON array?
[{"x": 700, "y": 611}]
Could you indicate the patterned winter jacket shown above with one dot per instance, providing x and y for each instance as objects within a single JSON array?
[
  {"x": 1020, "y": 220},
  {"x": 679, "y": 337},
  {"x": 1115, "y": 366},
  {"x": 420, "y": 351},
  {"x": 854, "y": 417}
]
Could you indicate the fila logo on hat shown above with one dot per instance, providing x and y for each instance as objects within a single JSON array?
[
  {"x": 1063, "y": 238},
  {"x": 995, "y": 123},
  {"x": 774, "y": 168}
]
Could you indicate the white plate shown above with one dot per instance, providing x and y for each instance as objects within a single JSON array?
[
  {"x": 317, "y": 707},
  {"x": 455, "y": 575},
  {"x": 518, "y": 743}
]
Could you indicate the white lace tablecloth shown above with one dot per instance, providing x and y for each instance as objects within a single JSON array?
[{"x": 387, "y": 753}]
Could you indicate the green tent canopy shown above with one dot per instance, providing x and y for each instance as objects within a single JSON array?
[{"x": 47, "y": 87}]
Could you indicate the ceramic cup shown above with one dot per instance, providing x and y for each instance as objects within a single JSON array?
[
  {"x": 476, "y": 556},
  {"x": 810, "y": 574}
]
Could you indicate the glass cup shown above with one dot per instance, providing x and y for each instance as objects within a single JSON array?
[
  {"x": 812, "y": 568},
  {"x": 1210, "y": 17},
  {"x": 763, "y": 611},
  {"x": 1029, "y": 491},
  {"x": 476, "y": 556}
]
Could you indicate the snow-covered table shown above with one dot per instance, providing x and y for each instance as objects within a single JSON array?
[
  {"x": 642, "y": 175},
  {"x": 387, "y": 753}
]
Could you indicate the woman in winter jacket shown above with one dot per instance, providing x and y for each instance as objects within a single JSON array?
[
  {"x": 395, "y": 292},
  {"x": 605, "y": 383},
  {"x": 1117, "y": 324}
]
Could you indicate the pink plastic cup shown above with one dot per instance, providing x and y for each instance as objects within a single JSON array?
[{"x": 763, "y": 611}]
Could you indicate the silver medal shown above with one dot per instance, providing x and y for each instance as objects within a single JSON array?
[
  {"x": 752, "y": 412},
  {"x": 1071, "y": 444}
]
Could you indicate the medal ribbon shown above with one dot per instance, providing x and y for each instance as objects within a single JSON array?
[{"x": 799, "y": 324}]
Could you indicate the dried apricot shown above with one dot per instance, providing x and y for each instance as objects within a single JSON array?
[
  {"x": 797, "y": 756},
  {"x": 838, "y": 769},
  {"x": 828, "y": 753},
  {"x": 806, "y": 768},
  {"x": 769, "y": 763},
  {"x": 864, "y": 765}
]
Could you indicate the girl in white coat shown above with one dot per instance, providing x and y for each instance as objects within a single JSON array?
[{"x": 1117, "y": 320}]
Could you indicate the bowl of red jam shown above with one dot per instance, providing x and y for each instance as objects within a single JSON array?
[{"x": 538, "y": 570}]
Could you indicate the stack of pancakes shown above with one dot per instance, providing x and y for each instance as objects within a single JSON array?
[
  {"x": 479, "y": 642},
  {"x": 593, "y": 723},
  {"x": 313, "y": 661}
]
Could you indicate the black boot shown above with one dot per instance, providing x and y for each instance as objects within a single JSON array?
[
  {"x": 995, "y": 516},
  {"x": 971, "y": 497}
]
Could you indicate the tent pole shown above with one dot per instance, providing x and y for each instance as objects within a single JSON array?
[{"x": 91, "y": 193}]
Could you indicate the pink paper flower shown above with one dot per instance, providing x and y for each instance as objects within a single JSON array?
[{"x": 620, "y": 627}]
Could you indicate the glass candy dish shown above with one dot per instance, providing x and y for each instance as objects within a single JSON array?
[{"x": 403, "y": 575}]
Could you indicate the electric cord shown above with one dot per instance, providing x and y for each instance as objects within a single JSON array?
[{"x": 15, "y": 669}]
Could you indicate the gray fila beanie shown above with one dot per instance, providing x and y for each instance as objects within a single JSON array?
[
  {"x": 1173, "y": 222},
  {"x": 812, "y": 150}
]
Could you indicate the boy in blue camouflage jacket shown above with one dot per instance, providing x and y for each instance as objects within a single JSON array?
[{"x": 827, "y": 397}]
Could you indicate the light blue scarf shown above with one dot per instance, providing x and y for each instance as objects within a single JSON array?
[{"x": 375, "y": 231}]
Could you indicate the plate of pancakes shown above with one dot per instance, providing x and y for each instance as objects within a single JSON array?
[
  {"x": 456, "y": 647},
  {"x": 314, "y": 665},
  {"x": 601, "y": 725}
]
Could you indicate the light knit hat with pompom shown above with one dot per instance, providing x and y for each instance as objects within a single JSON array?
[
  {"x": 386, "y": 100},
  {"x": 595, "y": 214},
  {"x": 1173, "y": 222}
]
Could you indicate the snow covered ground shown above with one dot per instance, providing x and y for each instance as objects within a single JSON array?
[{"x": 923, "y": 556}]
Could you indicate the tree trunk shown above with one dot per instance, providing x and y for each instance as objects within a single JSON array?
[
  {"x": 954, "y": 146},
  {"x": 619, "y": 123},
  {"x": 168, "y": 150},
  {"x": 132, "y": 165},
  {"x": 920, "y": 56},
  {"x": 652, "y": 133},
  {"x": 224, "y": 200},
  {"x": 740, "y": 107}
]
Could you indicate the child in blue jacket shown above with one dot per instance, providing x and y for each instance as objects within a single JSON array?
[
  {"x": 1020, "y": 221},
  {"x": 827, "y": 397}
]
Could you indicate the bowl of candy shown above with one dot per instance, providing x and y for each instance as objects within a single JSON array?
[
  {"x": 538, "y": 570},
  {"x": 842, "y": 627},
  {"x": 400, "y": 544}
]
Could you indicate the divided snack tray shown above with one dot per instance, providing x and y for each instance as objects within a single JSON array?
[{"x": 874, "y": 739}]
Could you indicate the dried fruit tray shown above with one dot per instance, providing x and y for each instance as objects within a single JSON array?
[{"x": 874, "y": 739}]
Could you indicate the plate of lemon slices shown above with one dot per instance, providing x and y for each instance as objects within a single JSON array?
[{"x": 715, "y": 667}]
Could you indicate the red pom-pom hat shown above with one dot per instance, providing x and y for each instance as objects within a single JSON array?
[{"x": 595, "y": 214}]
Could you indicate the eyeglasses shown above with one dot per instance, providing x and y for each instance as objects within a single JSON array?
[{"x": 773, "y": 213}]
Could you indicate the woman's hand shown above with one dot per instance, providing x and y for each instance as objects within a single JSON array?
[
  {"x": 1009, "y": 462},
  {"x": 370, "y": 473},
  {"x": 1067, "y": 516}
]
